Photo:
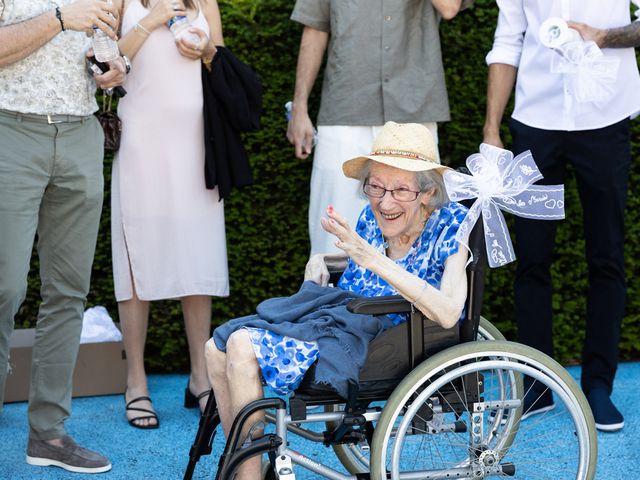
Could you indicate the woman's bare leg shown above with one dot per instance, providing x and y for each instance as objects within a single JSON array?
[
  {"x": 235, "y": 377},
  {"x": 197, "y": 321},
  {"x": 134, "y": 319},
  {"x": 217, "y": 372},
  {"x": 245, "y": 386}
]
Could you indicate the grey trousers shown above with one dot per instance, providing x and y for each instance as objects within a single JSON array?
[{"x": 50, "y": 184}]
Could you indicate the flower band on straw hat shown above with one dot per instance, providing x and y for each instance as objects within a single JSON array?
[
  {"x": 400, "y": 153},
  {"x": 407, "y": 146}
]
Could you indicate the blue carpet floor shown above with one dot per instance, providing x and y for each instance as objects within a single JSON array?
[{"x": 99, "y": 423}]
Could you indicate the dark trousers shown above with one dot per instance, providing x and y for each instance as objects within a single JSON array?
[{"x": 601, "y": 160}]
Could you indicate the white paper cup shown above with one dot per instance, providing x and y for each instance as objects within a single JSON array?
[{"x": 555, "y": 32}]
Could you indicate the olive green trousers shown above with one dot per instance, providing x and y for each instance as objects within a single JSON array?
[{"x": 51, "y": 184}]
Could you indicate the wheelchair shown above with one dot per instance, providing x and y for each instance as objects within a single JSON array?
[{"x": 430, "y": 404}]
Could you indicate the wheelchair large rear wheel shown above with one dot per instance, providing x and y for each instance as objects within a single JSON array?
[
  {"x": 488, "y": 331},
  {"x": 356, "y": 459},
  {"x": 441, "y": 421}
]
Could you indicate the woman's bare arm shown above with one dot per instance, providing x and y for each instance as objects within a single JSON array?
[{"x": 443, "y": 305}]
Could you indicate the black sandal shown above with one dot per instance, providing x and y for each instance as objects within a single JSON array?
[
  {"x": 191, "y": 400},
  {"x": 151, "y": 415}
]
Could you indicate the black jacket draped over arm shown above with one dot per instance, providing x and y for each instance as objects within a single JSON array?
[{"x": 232, "y": 104}]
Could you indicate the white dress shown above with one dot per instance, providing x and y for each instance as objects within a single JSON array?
[{"x": 168, "y": 231}]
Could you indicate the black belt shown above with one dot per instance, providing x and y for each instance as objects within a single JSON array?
[{"x": 50, "y": 119}]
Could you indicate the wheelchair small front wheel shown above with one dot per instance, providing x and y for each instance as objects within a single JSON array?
[{"x": 438, "y": 422}]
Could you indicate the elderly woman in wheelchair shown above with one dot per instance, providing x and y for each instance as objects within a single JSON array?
[{"x": 453, "y": 416}]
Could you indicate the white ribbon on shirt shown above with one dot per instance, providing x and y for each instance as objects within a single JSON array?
[
  {"x": 500, "y": 182},
  {"x": 589, "y": 75}
]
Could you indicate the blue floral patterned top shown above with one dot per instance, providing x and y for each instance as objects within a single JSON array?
[
  {"x": 425, "y": 258},
  {"x": 284, "y": 360}
]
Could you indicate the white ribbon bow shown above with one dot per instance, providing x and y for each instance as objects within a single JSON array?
[
  {"x": 501, "y": 182},
  {"x": 589, "y": 75}
]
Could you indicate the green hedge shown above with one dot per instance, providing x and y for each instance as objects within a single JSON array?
[{"x": 267, "y": 223}]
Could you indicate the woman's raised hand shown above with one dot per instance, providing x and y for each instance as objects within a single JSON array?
[
  {"x": 348, "y": 240},
  {"x": 163, "y": 11},
  {"x": 204, "y": 47}
]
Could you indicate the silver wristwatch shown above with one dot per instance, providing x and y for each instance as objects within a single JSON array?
[{"x": 127, "y": 64}]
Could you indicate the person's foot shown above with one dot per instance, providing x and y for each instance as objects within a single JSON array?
[
  {"x": 193, "y": 399},
  {"x": 608, "y": 418},
  {"x": 67, "y": 454},
  {"x": 536, "y": 402},
  {"x": 139, "y": 411}
]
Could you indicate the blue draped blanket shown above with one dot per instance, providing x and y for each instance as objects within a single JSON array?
[{"x": 319, "y": 314}]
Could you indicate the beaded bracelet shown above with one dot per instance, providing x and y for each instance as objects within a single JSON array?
[{"x": 59, "y": 17}]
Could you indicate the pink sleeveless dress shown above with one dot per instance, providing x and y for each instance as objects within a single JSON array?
[{"x": 168, "y": 230}]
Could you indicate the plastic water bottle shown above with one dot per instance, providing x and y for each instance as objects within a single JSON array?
[
  {"x": 104, "y": 48},
  {"x": 288, "y": 109},
  {"x": 180, "y": 26}
]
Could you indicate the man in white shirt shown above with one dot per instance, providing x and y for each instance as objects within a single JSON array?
[
  {"x": 50, "y": 183},
  {"x": 595, "y": 139}
]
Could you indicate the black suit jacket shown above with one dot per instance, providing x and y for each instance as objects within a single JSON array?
[{"x": 232, "y": 104}]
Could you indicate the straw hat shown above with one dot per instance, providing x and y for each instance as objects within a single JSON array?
[{"x": 408, "y": 146}]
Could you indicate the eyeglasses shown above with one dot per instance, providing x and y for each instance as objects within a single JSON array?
[{"x": 400, "y": 194}]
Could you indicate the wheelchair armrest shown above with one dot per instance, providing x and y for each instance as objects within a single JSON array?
[
  {"x": 380, "y": 305},
  {"x": 335, "y": 263}
]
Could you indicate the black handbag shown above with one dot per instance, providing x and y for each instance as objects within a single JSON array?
[{"x": 111, "y": 125}]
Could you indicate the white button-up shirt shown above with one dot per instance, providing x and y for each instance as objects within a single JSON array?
[{"x": 541, "y": 96}]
